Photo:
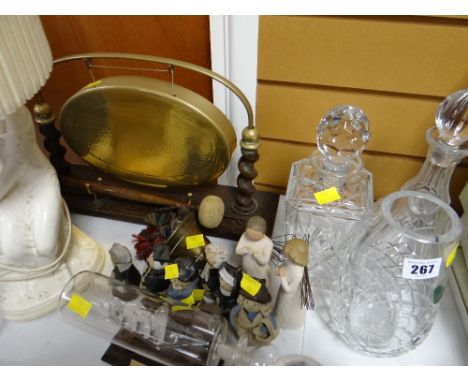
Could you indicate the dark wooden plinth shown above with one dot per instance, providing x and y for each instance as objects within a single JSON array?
[
  {"x": 118, "y": 356},
  {"x": 79, "y": 200}
]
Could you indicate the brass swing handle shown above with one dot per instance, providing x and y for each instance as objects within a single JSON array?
[{"x": 249, "y": 141}]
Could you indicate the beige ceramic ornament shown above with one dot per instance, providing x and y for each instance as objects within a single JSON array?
[{"x": 211, "y": 211}]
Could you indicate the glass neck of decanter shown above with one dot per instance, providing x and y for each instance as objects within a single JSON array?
[
  {"x": 434, "y": 175},
  {"x": 332, "y": 173},
  {"x": 339, "y": 168}
]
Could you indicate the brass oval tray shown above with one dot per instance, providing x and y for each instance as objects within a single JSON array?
[{"x": 148, "y": 131}]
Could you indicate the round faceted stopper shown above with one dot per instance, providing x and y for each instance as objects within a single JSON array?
[
  {"x": 342, "y": 134},
  {"x": 452, "y": 119}
]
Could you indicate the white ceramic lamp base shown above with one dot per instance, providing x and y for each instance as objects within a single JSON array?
[{"x": 30, "y": 299}]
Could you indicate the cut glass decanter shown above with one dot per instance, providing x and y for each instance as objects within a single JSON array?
[
  {"x": 394, "y": 274},
  {"x": 328, "y": 195}
]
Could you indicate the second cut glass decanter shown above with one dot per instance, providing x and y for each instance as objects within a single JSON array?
[
  {"x": 328, "y": 195},
  {"x": 394, "y": 274},
  {"x": 448, "y": 145}
]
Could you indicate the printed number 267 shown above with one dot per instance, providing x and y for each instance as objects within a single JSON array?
[{"x": 421, "y": 269}]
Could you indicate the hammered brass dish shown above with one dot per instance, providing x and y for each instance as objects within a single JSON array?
[{"x": 148, "y": 131}]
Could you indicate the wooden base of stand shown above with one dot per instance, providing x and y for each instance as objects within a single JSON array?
[
  {"x": 133, "y": 202},
  {"x": 118, "y": 356},
  {"x": 187, "y": 355}
]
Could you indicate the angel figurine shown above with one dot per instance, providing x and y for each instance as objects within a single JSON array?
[
  {"x": 295, "y": 295},
  {"x": 255, "y": 249}
]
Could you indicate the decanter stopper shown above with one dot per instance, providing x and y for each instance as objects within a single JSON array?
[
  {"x": 342, "y": 135},
  {"x": 452, "y": 120},
  {"x": 448, "y": 145}
]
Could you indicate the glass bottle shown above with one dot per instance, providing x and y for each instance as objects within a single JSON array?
[
  {"x": 336, "y": 170},
  {"x": 395, "y": 274},
  {"x": 145, "y": 324},
  {"x": 239, "y": 354},
  {"x": 448, "y": 145}
]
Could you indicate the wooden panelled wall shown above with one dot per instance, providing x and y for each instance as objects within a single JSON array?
[{"x": 397, "y": 69}]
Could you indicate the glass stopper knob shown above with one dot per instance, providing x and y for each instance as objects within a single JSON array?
[
  {"x": 342, "y": 134},
  {"x": 452, "y": 119}
]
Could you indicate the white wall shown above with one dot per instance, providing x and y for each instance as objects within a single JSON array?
[{"x": 234, "y": 41}]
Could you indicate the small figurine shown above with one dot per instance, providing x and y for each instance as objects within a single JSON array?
[
  {"x": 181, "y": 288},
  {"x": 154, "y": 280},
  {"x": 122, "y": 260},
  {"x": 127, "y": 267},
  {"x": 211, "y": 211},
  {"x": 295, "y": 295},
  {"x": 253, "y": 317},
  {"x": 216, "y": 254},
  {"x": 255, "y": 248},
  {"x": 229, "y": 282}
]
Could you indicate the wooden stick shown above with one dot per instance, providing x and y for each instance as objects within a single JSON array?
[{"x": 97, "y": 188}]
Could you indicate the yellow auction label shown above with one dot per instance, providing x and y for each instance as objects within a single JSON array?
[
  {"x": 451, "y": 257},
  {"x": 195, "y": 241},
  {"x": 249, "y": 284},
  {"x": 171, "y": 271},
  {"x": 79, "y": 305},
  {"x": 327, "y": 196},
  {"x": 198, "y": 294},
  {"x": 190, "y": 300}
]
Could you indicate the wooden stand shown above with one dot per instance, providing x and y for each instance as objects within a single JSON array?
[{"x": 81, "y": 197}]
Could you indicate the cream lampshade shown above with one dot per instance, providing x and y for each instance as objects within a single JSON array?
[{"x": 25, "y": 61}]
